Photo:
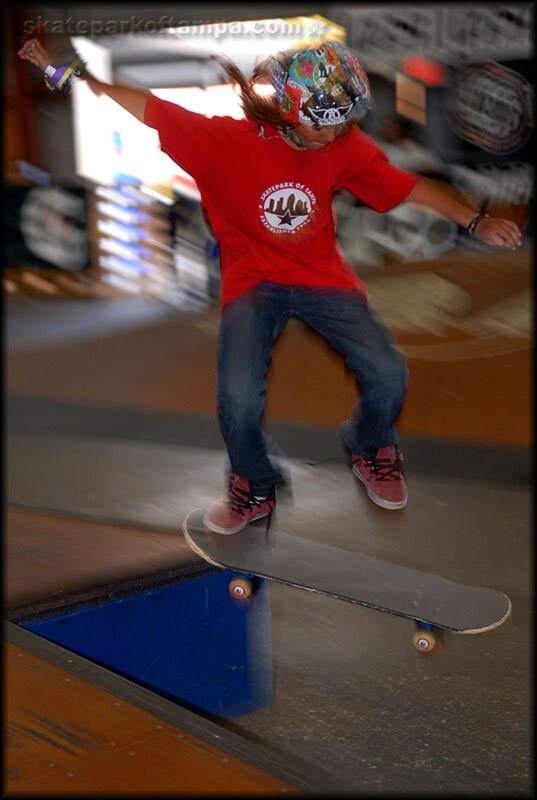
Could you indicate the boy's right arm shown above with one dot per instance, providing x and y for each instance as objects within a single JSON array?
[
  {"x": 189, "y": 138},
  {"x": 131, "y": 99}
]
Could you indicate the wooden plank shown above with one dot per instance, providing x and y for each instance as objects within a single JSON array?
[
  {"x": 53, "y": 555},
  {"x": 66, "y": 735}
]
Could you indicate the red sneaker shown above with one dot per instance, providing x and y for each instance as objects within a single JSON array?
[
  {"x": 238, "y": 507},
  {"x": 382, "y": 476}
]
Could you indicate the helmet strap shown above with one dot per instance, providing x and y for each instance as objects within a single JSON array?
[{"x": 295, "y": 138}]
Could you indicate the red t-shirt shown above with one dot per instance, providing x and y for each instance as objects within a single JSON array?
[{"x": 269, "y": 205}]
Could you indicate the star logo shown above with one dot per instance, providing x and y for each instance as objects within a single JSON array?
[
  {"x": 286, "y": 219},
  {"x": 286, "y": 208},
  {"x": 319, "y": 30}
]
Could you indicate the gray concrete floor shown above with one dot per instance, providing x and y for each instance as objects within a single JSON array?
[{"x": 352, "y": 695}]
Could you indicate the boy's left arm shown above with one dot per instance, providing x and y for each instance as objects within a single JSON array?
[{"x": 491, "y": 230}]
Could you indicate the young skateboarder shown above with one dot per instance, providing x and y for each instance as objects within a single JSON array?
[{"x": 267, "y": 184}]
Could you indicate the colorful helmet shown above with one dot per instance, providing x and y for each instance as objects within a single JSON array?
[{"x": 323, "y": 86}]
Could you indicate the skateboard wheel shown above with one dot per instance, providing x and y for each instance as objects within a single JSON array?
[
  {"x": 240, "y": 588},
  {"x": 424, "y": 641}
]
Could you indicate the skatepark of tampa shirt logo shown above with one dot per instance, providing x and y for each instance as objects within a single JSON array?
[{"x": 286, "y": 207}]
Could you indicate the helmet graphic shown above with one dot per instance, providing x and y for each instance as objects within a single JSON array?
[{"x": 323, "y": 86}]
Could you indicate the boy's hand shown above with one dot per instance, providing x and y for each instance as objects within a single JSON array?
[
  {"x": 59, "y": 75},
  {"x": 34, "y": 52},
  {"x": 498, "y": 232}
]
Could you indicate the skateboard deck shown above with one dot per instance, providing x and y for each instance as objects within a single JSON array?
[{"x": 429, "y": 600}]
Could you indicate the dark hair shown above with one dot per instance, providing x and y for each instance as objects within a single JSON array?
[{"x": 255, "y": 106}]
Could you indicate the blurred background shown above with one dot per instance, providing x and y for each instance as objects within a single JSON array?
[
  {"x": 95, "y": 212},
  {"x": 111, "y": 288}
]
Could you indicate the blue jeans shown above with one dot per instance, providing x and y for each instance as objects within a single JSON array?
[{"x": 249, "y": 327}]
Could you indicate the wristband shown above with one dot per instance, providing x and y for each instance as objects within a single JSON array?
[
  {"x": 475, "y": 222},
  {"x": 62, "y": 77}
]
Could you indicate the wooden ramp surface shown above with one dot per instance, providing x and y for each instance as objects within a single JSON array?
[
  {"x": 70, "y": 729},
  {"x": 68, "y": 736},
  {"x": 50, "y": 555}
]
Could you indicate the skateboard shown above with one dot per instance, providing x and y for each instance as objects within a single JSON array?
[{"x": 432, "y": 602}]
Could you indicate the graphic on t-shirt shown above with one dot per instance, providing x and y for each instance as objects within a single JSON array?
[{"x": 286, "y": 207}]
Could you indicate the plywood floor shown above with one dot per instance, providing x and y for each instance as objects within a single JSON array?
[
  {"x": 54, "y": 555},
  {"x": 66, "y": 736},
  {"x": 463, "y": 322}
]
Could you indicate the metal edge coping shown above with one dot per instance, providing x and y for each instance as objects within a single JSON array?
[
  {"x": 289, "y": 768},
  {"x": 68, "y": 602}
]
